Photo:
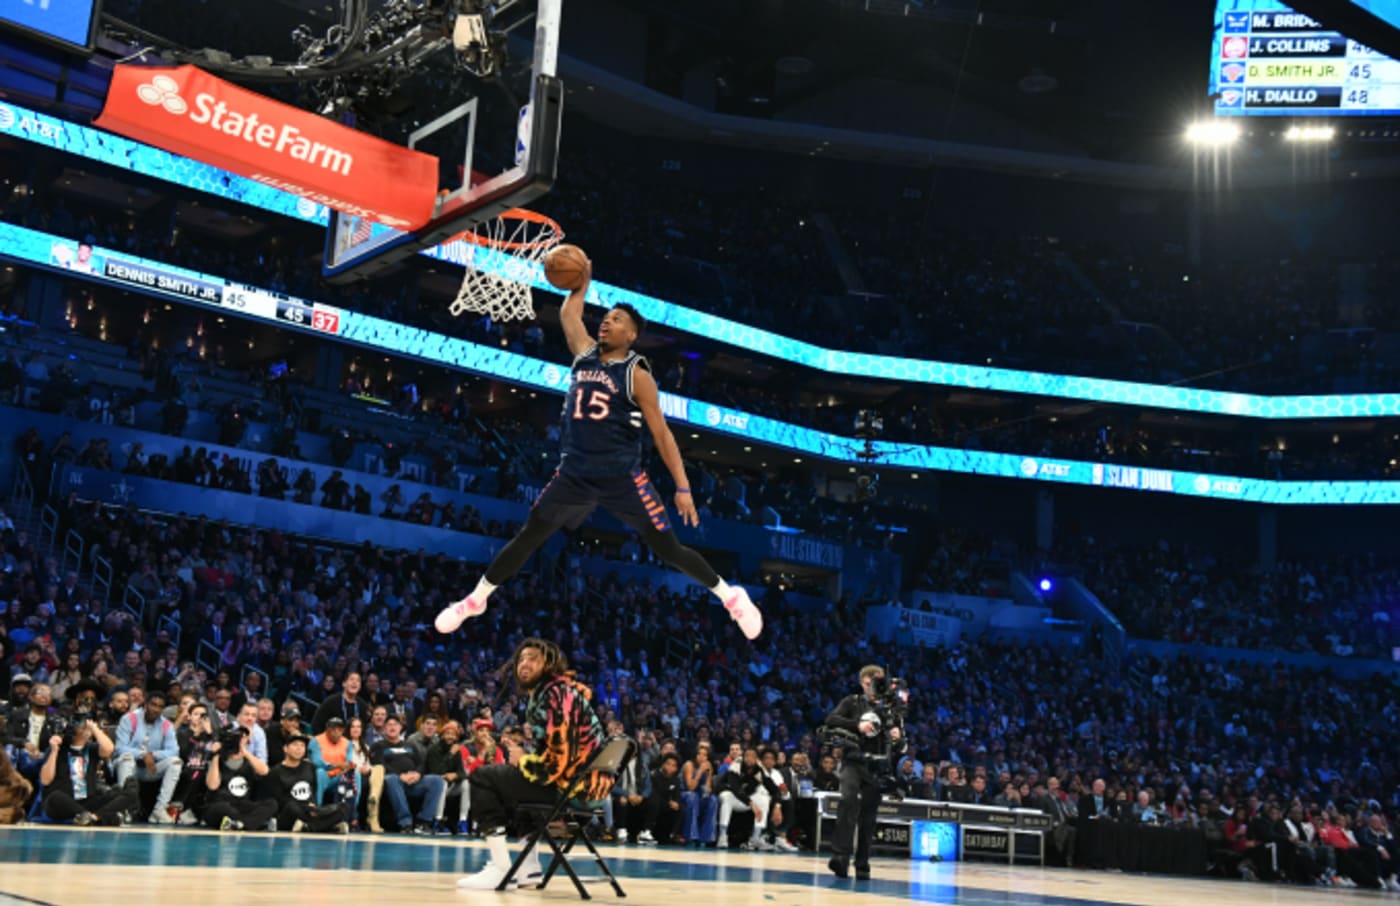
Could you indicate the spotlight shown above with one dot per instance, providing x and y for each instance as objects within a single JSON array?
[
  {"x": 1212, "y": 133},
  {"x": 1046, "y": 585},
  {"x": 1310, "y": 134}
]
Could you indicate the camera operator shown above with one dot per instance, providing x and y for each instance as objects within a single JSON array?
[
  {"x": 869, "y": 726},
  {"x": 233, "y": 774},
  {"x": 73, "y": 787}
]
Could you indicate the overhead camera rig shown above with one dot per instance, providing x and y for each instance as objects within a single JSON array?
[
  {"x": 869, "y": 426},
  {"x": 367, "y": 55}
]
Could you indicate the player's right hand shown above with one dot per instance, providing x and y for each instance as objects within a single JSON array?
[{"x": 686, "y": 507}]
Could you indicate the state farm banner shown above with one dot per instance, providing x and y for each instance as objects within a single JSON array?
[{"x": 192, "y": 113}]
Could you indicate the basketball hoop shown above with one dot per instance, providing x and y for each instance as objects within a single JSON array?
[{"x": 513, "y": 245}]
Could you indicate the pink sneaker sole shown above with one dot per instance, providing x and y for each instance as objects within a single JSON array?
[
  {"x": 746, "y": 614},
  {"x": 457, "y": 613}
]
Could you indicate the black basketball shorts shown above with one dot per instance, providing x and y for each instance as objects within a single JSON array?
[{"x": 568, "y": 500}]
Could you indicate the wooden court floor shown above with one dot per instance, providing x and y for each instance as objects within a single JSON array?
[{"x": 83, "y": 867}]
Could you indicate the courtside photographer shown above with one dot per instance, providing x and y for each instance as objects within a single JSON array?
[{"x": 869, "y": 726}]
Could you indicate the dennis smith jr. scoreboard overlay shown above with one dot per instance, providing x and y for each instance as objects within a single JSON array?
[
  {"x": 113, "y": 150},
  {"x": 83, "y": 261},
  {"x": 1269, "y": 60}
]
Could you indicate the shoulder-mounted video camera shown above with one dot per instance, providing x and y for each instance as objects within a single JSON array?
[{"x": 892, "y": 693}]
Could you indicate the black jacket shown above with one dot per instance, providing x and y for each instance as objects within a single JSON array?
[
  {"x": 665, "y": 788},
  {"x": 92, "y": 769},
  {"x": 337, "y": 706},
  {"x": 741, "y": 781},
  {"x": 1087, "y": 809},
  {"x": 857, "y": 746},
  {"x": 17, "y": 728}
]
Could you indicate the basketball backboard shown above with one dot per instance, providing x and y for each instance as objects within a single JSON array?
[{"x": 498, "y": 149}]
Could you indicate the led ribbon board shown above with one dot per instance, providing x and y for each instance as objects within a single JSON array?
[
  {"x": 114, "y": 268},
  {"x": 128, "y": 155}
]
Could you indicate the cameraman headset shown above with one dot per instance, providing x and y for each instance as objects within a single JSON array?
[{"x": 869, "y": 726}]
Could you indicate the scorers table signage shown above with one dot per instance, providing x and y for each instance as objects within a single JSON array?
[
  {"x": 1274, "y": 61},
  {"x": 953, "y": 813},
  {"x": 986, "y": 831}
]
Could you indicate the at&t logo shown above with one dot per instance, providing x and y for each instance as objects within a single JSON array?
[
  {"x": 715, "y": 418},
  {"x": 21, "y": 120},
  {"x": 163, "y": 91}
]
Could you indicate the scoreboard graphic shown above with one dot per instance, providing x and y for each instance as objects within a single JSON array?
[{"x": 1268, "y": 60}]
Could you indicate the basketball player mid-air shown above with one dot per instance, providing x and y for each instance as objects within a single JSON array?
[{"x": 611, "y": 394}]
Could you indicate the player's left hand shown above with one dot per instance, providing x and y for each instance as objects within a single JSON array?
[
  {"x": 895, "y": 733},
  {"x": 686, "y": 507}
]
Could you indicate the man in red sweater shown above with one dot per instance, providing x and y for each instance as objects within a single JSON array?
[{"x": 1354, "y": 862}]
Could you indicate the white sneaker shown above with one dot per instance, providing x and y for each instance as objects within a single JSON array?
[
  {"x": 456, "y": 613},
  {"x": 646, "y": 839},
  {"x": 161, "y": 815},
  {"x": 187, "y": 818},
  {"x": 621, "y": 835},
  {"x": 489, "y": 878},
  {"x": 785, "y": 845},
  {"x": 742, "y": 611}
]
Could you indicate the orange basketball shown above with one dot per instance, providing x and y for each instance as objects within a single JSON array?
[{"x": 565, "y": 266}]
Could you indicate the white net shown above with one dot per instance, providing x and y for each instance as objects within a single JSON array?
[{"x": 505, "y": 258}]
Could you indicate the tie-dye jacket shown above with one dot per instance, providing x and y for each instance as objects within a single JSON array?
[{"x": 567, "y": 735}]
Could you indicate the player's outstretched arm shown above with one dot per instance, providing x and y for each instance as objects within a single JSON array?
[
  {"x": 648, "y": 399},
  {"x": 571, "y": 316}
]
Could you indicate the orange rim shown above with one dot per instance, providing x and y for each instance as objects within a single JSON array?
[{"x": 525, "y": 214}]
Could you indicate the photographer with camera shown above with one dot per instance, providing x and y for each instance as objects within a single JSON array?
[
  {"x": 870, "y": 728},
  {"x": 72, "y": 779},
  {"x": 233, "y": 775}
]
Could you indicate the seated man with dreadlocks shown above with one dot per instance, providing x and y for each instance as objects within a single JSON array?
[{"x": 567, "y": 734}]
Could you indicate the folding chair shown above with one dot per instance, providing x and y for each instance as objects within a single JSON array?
[{"x": 611, "y": 760}]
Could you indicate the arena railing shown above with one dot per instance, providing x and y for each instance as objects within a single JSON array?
[{"x": 102, "y": 576}]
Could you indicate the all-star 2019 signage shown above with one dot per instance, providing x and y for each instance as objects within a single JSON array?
[{"x": 190, "y": 112}]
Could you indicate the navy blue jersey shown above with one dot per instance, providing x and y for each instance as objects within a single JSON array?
[{"x": 601, "y": 432}]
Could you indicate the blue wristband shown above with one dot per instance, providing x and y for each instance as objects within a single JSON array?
[{"x": 682, "y": 490}]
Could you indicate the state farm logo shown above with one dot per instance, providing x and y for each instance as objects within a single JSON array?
[{"x": 163, "y": 91}]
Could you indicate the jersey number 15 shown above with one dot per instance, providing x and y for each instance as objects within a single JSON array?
[{"x": 597, "y": 408}]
